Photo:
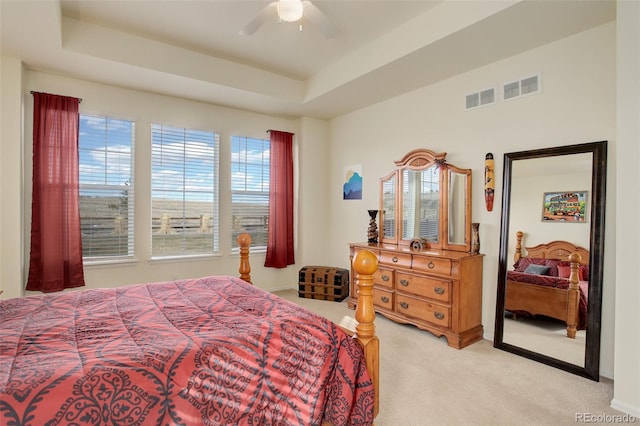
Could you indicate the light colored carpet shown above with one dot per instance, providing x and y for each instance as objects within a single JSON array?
[{"x": 425, "y": 382}]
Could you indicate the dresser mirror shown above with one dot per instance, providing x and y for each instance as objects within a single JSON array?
[
  {"x": 553, "y": 204},
  {"x": 389, "y": 200},
  {"x": 426, "y": 198}
]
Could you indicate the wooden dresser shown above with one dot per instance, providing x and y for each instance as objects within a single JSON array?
[{"x": 436, "y": 290}]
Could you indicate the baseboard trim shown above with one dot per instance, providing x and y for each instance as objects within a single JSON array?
[{"x": 631, "y": 410}]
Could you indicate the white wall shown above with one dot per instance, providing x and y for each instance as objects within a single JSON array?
[
  {"x": 627, "y": 314},
  {"x": 576, "y": 105},
  {"x": 11, "y": 77}
]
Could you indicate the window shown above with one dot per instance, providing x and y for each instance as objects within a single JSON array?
[
  {"x": 184, "y": 191},
  {"x": 249, "y": 189},
  {"x": 105, "y": 149}
]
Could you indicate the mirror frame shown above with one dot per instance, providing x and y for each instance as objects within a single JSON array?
[
  {"x": 446, "y": 244},
  {"x": 383, "y": 234},
  {"x": 598, "y": 150}
]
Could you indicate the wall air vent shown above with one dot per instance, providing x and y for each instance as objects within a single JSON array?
[
  {"x": 525, "y": 86},
  {"x": 481, "y": 98}
]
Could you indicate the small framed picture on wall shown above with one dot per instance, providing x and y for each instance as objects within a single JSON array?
[{"x": 352, "y": 186}]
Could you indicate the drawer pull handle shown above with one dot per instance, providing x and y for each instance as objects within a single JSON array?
[
  {"x": 384, "y": 299},
  {"x": 404, "y": 305},
  {"x": 439, "y": 290},
  {"x": 438, "y": 315},
  {"x": 385, "y": 278},
  {"x": 395, "y": 259},
  {"x": 430, "y": 265},
  {"x": 404, "y": 283}
]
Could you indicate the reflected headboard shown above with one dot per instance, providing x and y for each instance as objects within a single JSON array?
[{"x": 552, "y": 250}]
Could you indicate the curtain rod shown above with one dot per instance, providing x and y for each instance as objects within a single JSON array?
[
  {"x": 271, "y": 130},
  {"x": 33, "y": 92}
]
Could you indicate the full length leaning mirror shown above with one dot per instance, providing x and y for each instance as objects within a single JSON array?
[{"x": 548, "y": 304}]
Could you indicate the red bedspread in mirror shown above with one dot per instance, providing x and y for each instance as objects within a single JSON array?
[
  {"x": 211, "y": 351},
  {"x": 563, "y": 283}
]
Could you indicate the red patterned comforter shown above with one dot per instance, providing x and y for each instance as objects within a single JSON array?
[
  {"x": 552, "y": 281},
  {"x": 213, "y": 351}
]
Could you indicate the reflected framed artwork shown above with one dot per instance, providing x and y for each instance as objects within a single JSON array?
[{"x": 564, "y": 206}]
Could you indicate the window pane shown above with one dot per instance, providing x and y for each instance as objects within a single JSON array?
[
  {"x": 105, "y": 148},
  {"x": 249, "y": 189},
  {"x": 184, "y": 191}
]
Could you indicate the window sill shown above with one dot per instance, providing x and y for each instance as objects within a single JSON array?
[
  {"x": 192, "y": 258},
  {"x": 108, "y": 262}
]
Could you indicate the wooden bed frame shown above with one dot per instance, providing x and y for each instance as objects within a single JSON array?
[
  {"x": 365, "y": 263},
  {"x": 561, "y": 304}
]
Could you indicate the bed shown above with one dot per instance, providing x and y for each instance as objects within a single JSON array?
[
  {"x": 213, "y": 351},
  {"x": 551, "y": 280}
]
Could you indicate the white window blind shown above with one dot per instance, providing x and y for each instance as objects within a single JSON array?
[
  {"x": 105, "y": 148},
  {"x": 250, "y": 189},
  {"x": 184, "y": 191}
]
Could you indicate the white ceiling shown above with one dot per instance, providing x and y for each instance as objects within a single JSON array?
[{"x": 193, "y": 49}]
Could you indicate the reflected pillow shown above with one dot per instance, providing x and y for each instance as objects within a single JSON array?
[
  {"x": 584, "y": 272},
  {"x": 553, "y": 266},
  {"x": 524, "y": 262},
  {"x": 537, "y": 269},
  {"x": 564, "y": 271}
]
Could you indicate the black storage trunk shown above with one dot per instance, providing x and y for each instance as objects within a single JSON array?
[{"x": 323, "y": 282}]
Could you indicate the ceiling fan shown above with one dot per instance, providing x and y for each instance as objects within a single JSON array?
[{"x": 292, "y": 11}]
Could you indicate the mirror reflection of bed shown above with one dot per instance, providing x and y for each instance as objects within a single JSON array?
[{"x": 546, "y": 299}]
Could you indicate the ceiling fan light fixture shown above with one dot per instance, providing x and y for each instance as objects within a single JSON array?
[{"x": 290, "y": 10}]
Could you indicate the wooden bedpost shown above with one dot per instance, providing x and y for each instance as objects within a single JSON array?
[
  {"x": 365, "y": 263},
  {"x": 573, "y": 295},
  {"x": 244, "y": 241},
  {"x": 518, "y": 253}
]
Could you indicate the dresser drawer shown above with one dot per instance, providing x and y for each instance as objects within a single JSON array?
[
  {"x": 424, "y": 286},
  {"x": 384, "y": 277},
  {"x": 432, "y": 264},
  {"x": 396, "y": 259},
  {"x": 424, "y": 310},
  {"x": 383, "y": 298}
]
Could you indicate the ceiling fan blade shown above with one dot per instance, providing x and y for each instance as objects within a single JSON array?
[
  {"x": 268, "y": 12},
  {"x": 319, "y": 19}
]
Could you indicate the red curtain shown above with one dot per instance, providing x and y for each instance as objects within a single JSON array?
[
  {"x": 56, "y": 243},
  {"x": 280, "y": 232}
]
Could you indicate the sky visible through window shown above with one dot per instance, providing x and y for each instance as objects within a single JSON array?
[
  {"x": 184, "y": 165},
  {"x": 249, "y": 166},
  {"x": 105, "y": 151}
]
